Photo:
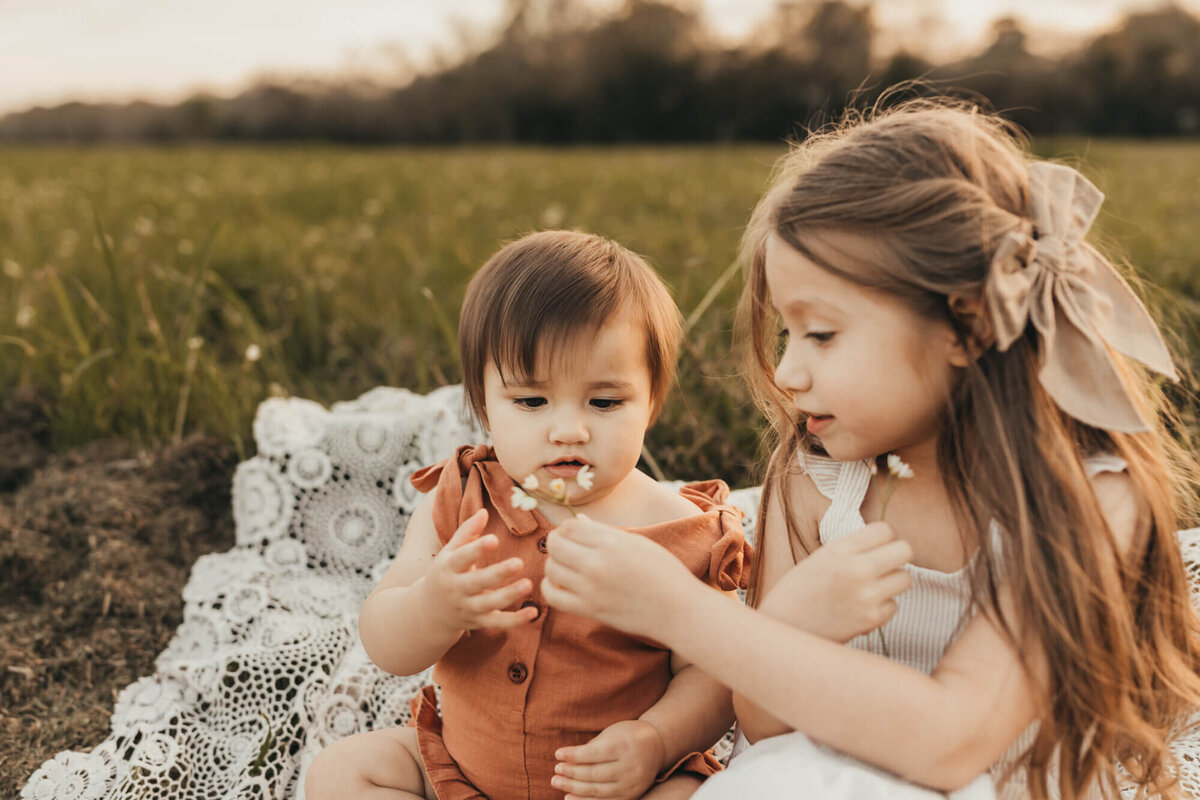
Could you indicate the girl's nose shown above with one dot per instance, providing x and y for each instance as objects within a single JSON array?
[
  {"x": 569, "y": 429},
  {"x": 791, "y": 374}
]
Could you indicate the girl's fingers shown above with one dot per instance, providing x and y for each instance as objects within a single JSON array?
[
  {"x": 560, "y": 598},
  {"x": 894, "y": 583},
  {"x": 890, "y": 556},
  {"x": 562, "y": 575},
  {"x": 869, "y": 537},
  {"x": 562, "y": 547}
]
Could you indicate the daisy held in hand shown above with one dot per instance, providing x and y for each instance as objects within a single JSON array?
[{"x": 527, "y": 495}]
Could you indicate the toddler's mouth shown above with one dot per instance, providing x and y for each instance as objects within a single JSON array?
[{"x": 565, "y": 467}]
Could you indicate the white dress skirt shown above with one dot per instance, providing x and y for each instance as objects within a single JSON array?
[{"x": 792, "y": 766}]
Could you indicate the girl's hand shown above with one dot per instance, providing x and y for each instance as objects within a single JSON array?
[
  {"x": 614, "y": 576},
  {"x": 464, "y": 596},
  {"x": 621, "y": 762},
  {"x": 845, "y": 588}
]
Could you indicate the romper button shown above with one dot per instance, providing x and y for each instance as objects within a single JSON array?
[
  {"x": 533, "y": 604},
  {"x": 517, "y": 672},
  {"x": 542, "y": 545}
]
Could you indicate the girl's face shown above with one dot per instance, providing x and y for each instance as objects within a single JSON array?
[
  {"x": 589, "y": 408},
  {"x": 869, "y": 375}
]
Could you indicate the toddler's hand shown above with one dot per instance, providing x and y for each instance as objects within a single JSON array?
[
  {"x": 614, "y": 576},
  {"x": 845, "y": 588},
  {"x": 620, "y": 762},
  {"x": 464, "y": 596}
]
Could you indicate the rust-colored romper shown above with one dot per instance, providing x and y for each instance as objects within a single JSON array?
[{"x": 510, "y": 698}]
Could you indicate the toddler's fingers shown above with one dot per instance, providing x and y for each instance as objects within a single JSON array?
[
  {"x": 509, "y": 619},
  {"x": 583, "y": 789},
  {"x": 471, "y": 528},
  {"x": 604, "y": 772},
  {"x": 594, "y": 752},
  {"x": 481, "y": 580},
  {"x": 500, "y": 598},
  {"x": 462, "y": 558}
]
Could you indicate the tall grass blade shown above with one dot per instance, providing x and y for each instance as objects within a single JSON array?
[{"x": 68, "y": 312}]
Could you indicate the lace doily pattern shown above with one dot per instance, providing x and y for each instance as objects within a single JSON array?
[{"x": 266, "y": 668}]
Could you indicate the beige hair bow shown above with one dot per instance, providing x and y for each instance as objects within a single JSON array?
[{"x": 1050, "y": 277}]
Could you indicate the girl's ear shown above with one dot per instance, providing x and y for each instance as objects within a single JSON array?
[{"x": 971, "y": 312}]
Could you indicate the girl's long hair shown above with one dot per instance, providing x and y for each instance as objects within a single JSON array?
[{"x": 937, "y": 184}]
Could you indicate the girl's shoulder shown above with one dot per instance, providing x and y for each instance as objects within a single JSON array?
[{"x": 1124, "y": 507}]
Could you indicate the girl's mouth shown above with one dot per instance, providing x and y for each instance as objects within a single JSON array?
[{"x": 818, "y": 422}]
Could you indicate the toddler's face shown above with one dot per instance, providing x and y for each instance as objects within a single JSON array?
[
  {"x": 868, "y": 373},
  {"x": 591, "y": 408}
]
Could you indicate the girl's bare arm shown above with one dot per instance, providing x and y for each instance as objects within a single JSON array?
[{"x": 940, "y": 730}]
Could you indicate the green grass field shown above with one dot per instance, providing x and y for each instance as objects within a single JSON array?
[{"x": 136, "y": 280}]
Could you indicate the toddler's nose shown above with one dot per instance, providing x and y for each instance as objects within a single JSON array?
[{"x": 569, "y": 429}]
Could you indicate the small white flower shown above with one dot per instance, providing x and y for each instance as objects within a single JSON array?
[
  {"x": 12, "y": 269},
  {"x": 897, "y": 467},
  {"x": 874, "y": 467},
  {"x": 25, "y": 315},
  {"x": 195, "y": 343},
  {"x": 584, "y": 478},
  {"x": 530, "y": 483},
  {"x": 144, "y": 226},
  {"x": 253, "y": 353},
  {"x": 522, "y": 501},
  {"x": 558, "y": 487}
]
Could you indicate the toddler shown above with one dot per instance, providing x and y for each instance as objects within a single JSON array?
[{"x": 568, "y": 346}]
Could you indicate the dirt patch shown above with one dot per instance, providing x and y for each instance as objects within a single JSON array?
[{"x": 95, "y": 547}]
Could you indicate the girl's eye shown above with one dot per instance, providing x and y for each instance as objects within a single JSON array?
[
  {"x": 530, "y": 402},
  {"x": 820, "y": 337},
  {"x": 606, "y": 403}
]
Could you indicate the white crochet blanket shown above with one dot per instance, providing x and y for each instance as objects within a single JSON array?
[{"x": 266, "y": 668}]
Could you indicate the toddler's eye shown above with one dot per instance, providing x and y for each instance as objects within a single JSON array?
[
  {"x": 606, "y": 403},
  {"x": 820, "y": 337},
  {"x": 530, "y": 402}
]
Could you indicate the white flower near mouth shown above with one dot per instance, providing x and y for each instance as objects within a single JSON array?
[
  {"x": 522, "y": 501},
  {"x": 584, "y": 478},
  {"x": 897, "y": 467},
  {"x": 558, "y": 486},
  {"x": 530, "y": 483}
]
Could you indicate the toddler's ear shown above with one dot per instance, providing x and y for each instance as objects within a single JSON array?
[{"x": 971, "y": 311}]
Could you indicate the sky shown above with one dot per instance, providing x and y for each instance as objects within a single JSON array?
[{"x": 54, "y": 51}]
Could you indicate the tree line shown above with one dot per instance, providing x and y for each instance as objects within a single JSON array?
[{"x": 652, "y": 71}]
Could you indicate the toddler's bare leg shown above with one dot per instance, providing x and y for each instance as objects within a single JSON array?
[
  {"x": 676, "y": 787},
  {"x": 378, "y": 765}
]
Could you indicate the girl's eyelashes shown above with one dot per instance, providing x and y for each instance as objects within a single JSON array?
[{"x": 530, "y": 402}]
